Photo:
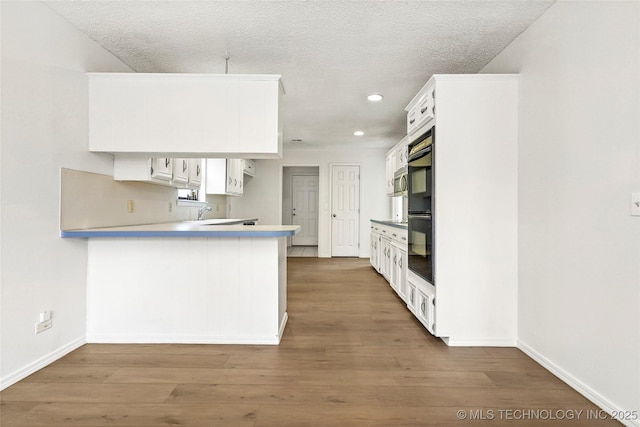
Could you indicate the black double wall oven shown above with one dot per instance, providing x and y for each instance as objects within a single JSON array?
[{"x": 421, "y": 201}]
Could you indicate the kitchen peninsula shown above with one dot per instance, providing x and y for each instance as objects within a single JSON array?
[{"x": 186, "y": 282}]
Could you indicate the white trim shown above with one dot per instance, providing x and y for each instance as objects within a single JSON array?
[
  {"x": 41, "y": 363},
  {"x": 575, "y": 383},
  {"x": 285, "y": 318},
  {"x": 182, "y": 339},
  {"x": 479, "y": 341}
]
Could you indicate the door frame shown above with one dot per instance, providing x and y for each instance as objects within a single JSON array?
[
  {"x": 331, "y": 166},
  {"x": 317, "y": 203},
  {"x": 321, "y": 175}
]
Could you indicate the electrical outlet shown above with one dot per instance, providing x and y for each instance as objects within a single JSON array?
[
  {"x": 130, "y": 206},
  {"x": 43, "y": 326}
]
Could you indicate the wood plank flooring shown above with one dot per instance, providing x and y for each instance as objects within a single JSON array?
[
  {"x": 302, "y": 251},
  {"x": 351, "y": 355}
]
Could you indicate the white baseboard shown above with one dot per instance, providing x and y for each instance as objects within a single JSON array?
[
  {"x": 282, "y": 325},
  {"x": 480, "y": 342},
  {"x": 181, "y": 339},
  {"x": 40, "y": 363},
  {"x": 576, "y": 384}
]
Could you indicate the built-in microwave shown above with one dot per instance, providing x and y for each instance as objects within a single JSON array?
[{"x": 400, "y": 182}]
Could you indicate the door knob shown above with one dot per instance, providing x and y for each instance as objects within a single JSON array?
[{"x": 334, "y": 215}]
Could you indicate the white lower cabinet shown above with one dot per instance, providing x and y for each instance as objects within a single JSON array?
[
  {"x": 385, "y": 244},
  {"x": 425, "y": 308},
  {"x": 374, "y": 257},
  {"x": 412, "y": 297},
  {"x": 400, "y": 277},
  {"x": 389, "y": 255}
]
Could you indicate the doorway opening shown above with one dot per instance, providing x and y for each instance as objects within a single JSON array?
[{"x": 300, "y": 206}]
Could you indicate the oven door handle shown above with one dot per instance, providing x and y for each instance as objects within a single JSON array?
[{"x": 420, "y": 216}]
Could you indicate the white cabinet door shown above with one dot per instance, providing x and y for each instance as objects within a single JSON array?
[
  {"x": 402, "y": 154},
  {"x": 249, "y": 167},
  {"x": 195, "y": 173},
  {"x": 412, "y": 297},
  {"x": 374, "y": 258},
  {"x": 235, "y": 176},
  {"x": 161, "y": 168},
  {"x": 390, "y": 170},
  {"x": 386, "y": 258},
  {"x": 394, "y": 276},
  {"x": 402, "y": 274},
  {"x": 224, "y": 176},
  {"x": 180, "y": 172}
]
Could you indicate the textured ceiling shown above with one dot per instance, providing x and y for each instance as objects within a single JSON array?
[{"x": 331, "y": 54}]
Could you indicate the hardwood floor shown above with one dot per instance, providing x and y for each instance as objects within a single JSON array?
[
  {"x": 302, "y": 251},
  {"x": 351, "y": 355}
]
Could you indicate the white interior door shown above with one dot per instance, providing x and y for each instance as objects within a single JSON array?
[
  {"x": 304, "y": 209},
  {"x": 345, "y": 210}
]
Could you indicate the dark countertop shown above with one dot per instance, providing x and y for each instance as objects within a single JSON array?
[{"x": 397, "y": 224}]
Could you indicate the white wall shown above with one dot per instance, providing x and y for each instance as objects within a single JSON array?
[
  {"x": 579, "y": 160},
  {"x": 263, "y": 195},
  {"x": 44, "y": 128}
]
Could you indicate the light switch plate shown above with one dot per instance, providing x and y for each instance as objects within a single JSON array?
[{"x": 635, "y": 204}]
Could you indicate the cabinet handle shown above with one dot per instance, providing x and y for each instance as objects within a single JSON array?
[
  {"x": 151, "y": 170},
  {"x": 166, "y": 162},
  {"x": 422, "y": 110},
  {"x": 394, "y": 235},
  {"x": 184, "y": 165},
  {"x": 229, "y": 180},
  {"x": 198, "y": 169},
  {"x": 411, "y": 121},
  {"x": 400, "y": 262},
  {"x": 404, "y": 238},
  {"x": 422, "y": 308},
  {"x": 395, "y": 259}
]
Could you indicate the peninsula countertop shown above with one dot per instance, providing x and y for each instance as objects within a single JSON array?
[{"x": 203, "y": 228}]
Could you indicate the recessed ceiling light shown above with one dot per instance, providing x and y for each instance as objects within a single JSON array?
[
  {"x": 358, "y": 133},
  {"x": 375, "y": 97}
]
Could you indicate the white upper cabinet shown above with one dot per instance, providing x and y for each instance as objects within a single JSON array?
[
  {"x": 225, "y": 176},
  {"x": 185, "y": 115},
  {"x": 249, "y": 167},
  {"x": 195, "y": 173},
  {"x": 402, "y": 153},
  {"x": 390, "y": 169},
  {"x": 422, "y": 107},
  {"x": 159, "y": 168},
  {"x": 179, "y": 173}
]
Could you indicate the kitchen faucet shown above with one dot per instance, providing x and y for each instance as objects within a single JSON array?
[{"x": 202, "y": 210}]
